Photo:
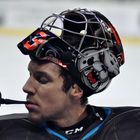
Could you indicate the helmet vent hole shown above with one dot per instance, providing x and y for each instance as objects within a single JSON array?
[
  {"x": 90, "y": 61},
  {"x": 84, "y": 62}
]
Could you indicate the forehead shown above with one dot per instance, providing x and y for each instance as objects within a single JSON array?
[{"x": 45, "y": 67}]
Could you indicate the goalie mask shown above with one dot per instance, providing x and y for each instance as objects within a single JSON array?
[{"x": 83, "y": 42}]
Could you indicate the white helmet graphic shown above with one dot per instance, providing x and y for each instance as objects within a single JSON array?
[{"x": 83, "y": 42}]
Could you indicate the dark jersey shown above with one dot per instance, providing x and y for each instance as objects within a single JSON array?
[{"x": 102, "y": 123}]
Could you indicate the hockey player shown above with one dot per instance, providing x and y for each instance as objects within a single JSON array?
[{"x": 74, "y": 55}]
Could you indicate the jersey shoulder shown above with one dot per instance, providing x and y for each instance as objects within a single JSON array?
[
  {"x": 18, "y": 127},
  {"x": 122, "y": 123}
]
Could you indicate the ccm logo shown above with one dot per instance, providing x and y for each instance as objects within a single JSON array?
[{"x": 74, "y": 131}]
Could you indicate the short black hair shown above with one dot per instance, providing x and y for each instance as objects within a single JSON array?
[{"x": 69, "y": 82}]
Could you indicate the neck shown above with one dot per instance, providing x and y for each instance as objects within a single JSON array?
[{"x": 71, "y": 117}]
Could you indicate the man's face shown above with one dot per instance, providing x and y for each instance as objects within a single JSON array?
[{"x": 45, "y": 93}]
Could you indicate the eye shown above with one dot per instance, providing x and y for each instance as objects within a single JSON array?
[{"x": 41, "y": 77}]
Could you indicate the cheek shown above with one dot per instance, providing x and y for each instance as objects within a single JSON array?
[
  {"x": 50, "y": 93},
  {"x": 52, "y": 99}
]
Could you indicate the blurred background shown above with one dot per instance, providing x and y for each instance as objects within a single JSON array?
[{"x": 18, "y": 18}]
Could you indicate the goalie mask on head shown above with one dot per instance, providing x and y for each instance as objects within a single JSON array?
[{"x": 83, "y": 42}]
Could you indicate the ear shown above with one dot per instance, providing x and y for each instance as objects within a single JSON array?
[{"x": 76, "y": 92}]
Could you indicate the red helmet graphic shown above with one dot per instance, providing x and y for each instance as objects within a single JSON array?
[{"x": 83, "y": 42}]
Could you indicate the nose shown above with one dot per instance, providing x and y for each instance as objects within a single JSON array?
[{"x": 29, "y": 86}]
